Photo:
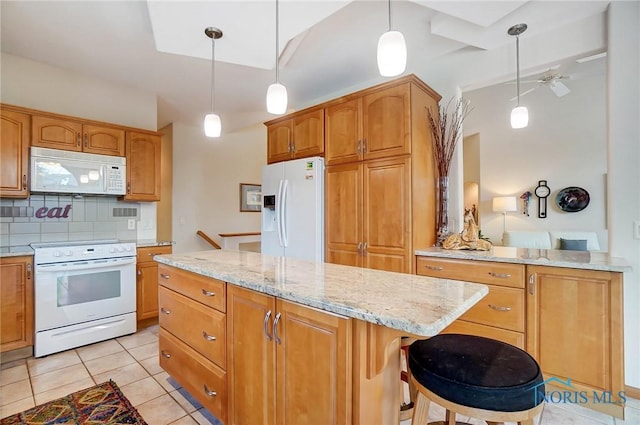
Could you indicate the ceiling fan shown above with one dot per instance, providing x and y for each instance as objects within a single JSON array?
[{"x": 551, "y": 79}]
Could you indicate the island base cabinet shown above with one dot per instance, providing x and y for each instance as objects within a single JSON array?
[
  {"x": 574, "y": 330},
  {"x": 201, "y": 378},
  {"x": 287, "y": 363}
]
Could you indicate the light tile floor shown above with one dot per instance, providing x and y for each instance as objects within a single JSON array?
[{"x": 132, "y": 362}]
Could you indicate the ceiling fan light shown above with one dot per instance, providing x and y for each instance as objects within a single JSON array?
[
  {"x": 392, "y": 54},
  {"x": 519, "y": 117},
  {"x": 277, "y": 99},
  {"x": 212, "y": 125}
]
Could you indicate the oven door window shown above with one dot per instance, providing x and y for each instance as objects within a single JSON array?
[{"x": 84, "y": 288}]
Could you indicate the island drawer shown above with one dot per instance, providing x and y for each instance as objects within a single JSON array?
[
  {"x": 503, "y": 307},
  {"x": 493, "y": 273},
  {"x": 469, "y": 328},
  {"x": 206, "y": 382},
  {"x": 206, "y": 290},
  {"x": 201, "y": 327},
  {"x": 146, "y": 253}
]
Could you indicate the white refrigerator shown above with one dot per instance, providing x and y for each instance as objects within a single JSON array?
[{"x": 293, "y": 209}]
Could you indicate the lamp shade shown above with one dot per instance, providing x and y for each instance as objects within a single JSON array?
[
  {"x": 519, "y": 117},
  {"x": 212, "y": 125},
  {"x": 277, "y": 99},
  {"x": 504, "y": 204},
  {"x": 392, "y": 54}
]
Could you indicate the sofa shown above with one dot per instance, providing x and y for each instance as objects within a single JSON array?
[{"x": 573, "y": 240}]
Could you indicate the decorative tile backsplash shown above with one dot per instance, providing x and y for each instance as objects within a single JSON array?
[{"x": 51, "y": 218}]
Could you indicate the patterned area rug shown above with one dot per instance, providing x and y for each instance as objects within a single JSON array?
[{"x": 103, "y": 404}]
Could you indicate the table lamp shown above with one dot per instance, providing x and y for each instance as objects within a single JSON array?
[{"x": 504, "y": 204}]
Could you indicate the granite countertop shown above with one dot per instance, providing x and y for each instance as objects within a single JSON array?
[
  {"x": 587, "y": 260},
  {"x": 15, "y": 251},
  {"x": 413, "y": 304}
]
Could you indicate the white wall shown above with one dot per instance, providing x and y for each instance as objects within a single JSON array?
[
  {"x": 206, "y": 183},
  {"x": 564, "y": 143},
  {"x": 624, "y": 157},
  {"x": 39, "y": 86}
]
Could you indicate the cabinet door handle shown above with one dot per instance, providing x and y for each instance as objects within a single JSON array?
[
  {"x": 28, "y": 271},
  {"x": 435, "y": 268},
  {"x": 532, "y": 283},
  {"x": 165, "y": 354},
  {"x": 208, "y": 392},
  {"x": 359, "y": 247},
  {"x": 208, "y": 293},
  {"x": 359, "y": 147},
  {"x": 499, "y": 308},
  {"x": 164, "y": 276},
  {"x": 364, "y": 145},
  {"x": 275, "y": 328},
  {"x": 208, "y": 337},
  {"x": 79, "y": 139},
  {"x": 129, "y": 188},
  {"x": 293, "y": 146},
  {"x": 500, "y": 275},
  {"x": 24, "y": 182},
  {"x": 139, "y": 272},
  {"x": 86, "y": 140},
  {"x": 165, "y": 311},
  {"x": 364, "y": 249},
  {"x": 265, "y": 326}
]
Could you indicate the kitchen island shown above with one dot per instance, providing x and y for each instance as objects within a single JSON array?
[{"x": 263, "y": 339}]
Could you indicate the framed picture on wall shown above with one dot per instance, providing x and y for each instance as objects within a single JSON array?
[{"x": 250, "y": 197}]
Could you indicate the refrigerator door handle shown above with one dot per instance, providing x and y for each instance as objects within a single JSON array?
[
  {"x": 283, "y": 214},
  {"x": 279, "y": 213}
]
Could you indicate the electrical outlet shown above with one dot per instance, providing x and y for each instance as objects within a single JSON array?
[
  {"x": 636, "y": 229},
  {"x": 131, "y": 224}
]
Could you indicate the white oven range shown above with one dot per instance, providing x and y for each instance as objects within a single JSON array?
[{"x": 85, "y": 292}]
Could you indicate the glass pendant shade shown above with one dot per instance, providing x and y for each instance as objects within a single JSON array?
[
  {"x": 519, "y": 117},
  {"x": 392, "y": 54},
  {"x": 277, "y": 99},
  {"x": 212, "y": 125}
]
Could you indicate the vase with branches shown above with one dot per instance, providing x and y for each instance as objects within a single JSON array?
[{"x": 446, "y": 130}]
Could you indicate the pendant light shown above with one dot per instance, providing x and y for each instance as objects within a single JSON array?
[
  {"x": 519, "y": 114},
  {"x": 212, "y": 124},
  {"x": 392, "y": 52},
  {"x": 277, "y": 93}
]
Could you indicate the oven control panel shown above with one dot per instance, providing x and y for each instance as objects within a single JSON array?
[{"x": 59, "y": 253}]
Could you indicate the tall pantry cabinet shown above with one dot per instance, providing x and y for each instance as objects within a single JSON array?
[{"x": 380, "y": 178}]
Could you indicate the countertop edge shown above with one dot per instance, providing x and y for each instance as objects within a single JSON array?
[{"x": 406, "y": 326}]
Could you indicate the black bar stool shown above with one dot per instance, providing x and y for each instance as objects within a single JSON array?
[{"x": 477, "y": 377}]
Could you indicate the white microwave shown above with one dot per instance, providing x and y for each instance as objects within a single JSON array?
[{"x": 57, "y": 171}]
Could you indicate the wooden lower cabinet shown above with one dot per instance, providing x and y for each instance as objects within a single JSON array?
[
  {"x": 575, "y": 329},
  {"x": 16, "y": 302},
  {"x": 147, "y": 281},
  {"x": 287, "y": 363}
]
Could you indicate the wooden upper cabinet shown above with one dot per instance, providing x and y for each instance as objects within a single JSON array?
[
  {"x": 387, "y": 122},
  {"x": 55, "y": 133},
  {"x": 279, "y": 141},
  {"x": 14, "y": 154},
  {"x": 143, "y": 167},
  {"x": 298, "y": 137},
  {"x": 343, "y": 132},
  {"x": 103, "y": 140}
]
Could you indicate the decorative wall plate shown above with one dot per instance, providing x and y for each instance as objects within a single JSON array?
[{"x": 572, "y": 199}]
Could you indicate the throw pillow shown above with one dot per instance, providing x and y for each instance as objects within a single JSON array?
[{"x": 573, "y": 244}]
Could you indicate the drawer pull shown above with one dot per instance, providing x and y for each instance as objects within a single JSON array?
[
  {"x": 499, "y": 308},
  {"x": 164, "y": 276},
  {"x": 208, "y": 337},
  {"x": 165, "y": 311},
  {"x": 275, "y": 328},
  {"x": 208, "y": 392},
  {"x": 500, "y": 275},
  {"x": 153, "y": 254},
  {"x": 265, "y": 326},
  {"x": 208, "y": 293},
  {"x": 436, "y": 268},
  {"x": 165, "y": 354}
]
